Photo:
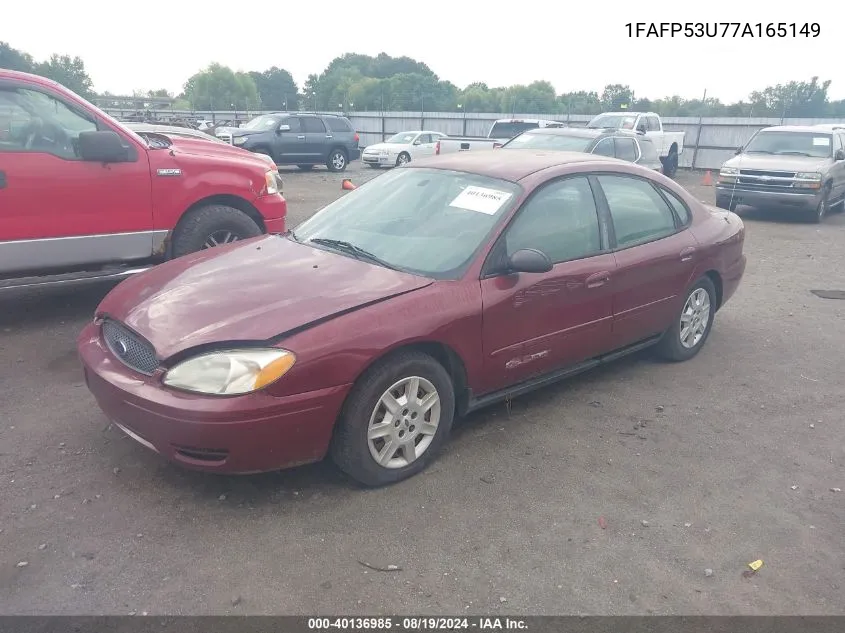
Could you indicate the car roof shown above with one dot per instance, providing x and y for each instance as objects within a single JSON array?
[
  {"x": 794, "y": 128},
  {"x": 513, "y": 165},
  {"x": 584, "y": 132}
]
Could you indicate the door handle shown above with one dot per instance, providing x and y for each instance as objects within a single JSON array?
[
  {"x": 687, "y": 253},
  {"x": 598, "y": 279},
  {"x": 329, "y": 136},
  {"x": 301, "y": 136},
  {"x": 2, "y": 179}
]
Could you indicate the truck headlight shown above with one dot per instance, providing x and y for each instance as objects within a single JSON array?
[
  {"x": 808, "y": 175},
  {"x": 239, "y": 140},
  {"x": 230, "y": 373},
  {"x": 273, "y": 182},
  {"x": 729, "y": 171},
  {"x": 808, "y": 180}
]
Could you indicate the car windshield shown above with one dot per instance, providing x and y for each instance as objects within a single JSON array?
[
  {"x": 403, "y": 138},
  {"x": 428, "y": 222},
  {"x": 562, "y": 142},
  {"x": 263, "y": 122},
  {"x": 509, "y": 129},
  {"x": 818, "y": 145},
  {"x": 613, "y": 121}
]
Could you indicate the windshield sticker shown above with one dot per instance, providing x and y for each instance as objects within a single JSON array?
[
  {"x": 481, "y": 199},
  {"x": 821, "y": 140}
]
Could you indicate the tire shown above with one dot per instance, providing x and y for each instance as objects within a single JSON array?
[
  {"x": 671, "y": 347},
  {"x": 213, "y": 222},
  {"x": 670, "y": 165},
  {"x": 403, "y": 159},
  {"x": 352, "y": 450},
  {"x": 818, "y": 215},
  {"x": 306, "y": 167},
  {"x": 337, "y": 160}
]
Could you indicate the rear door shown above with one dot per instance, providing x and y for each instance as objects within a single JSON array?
[
  {"x": 655, "y": 256},
  {"x": 654, "y": 132},
  {"x": 316, "y": 148},
  {"x": 56, "y": 210},
  {"x": 605, "y": 148},
  {"x": 534, "y": 323},
  {"x": 626, "y": 149}
]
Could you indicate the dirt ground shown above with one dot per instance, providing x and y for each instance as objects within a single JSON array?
[{"x": 706, "y": 465}]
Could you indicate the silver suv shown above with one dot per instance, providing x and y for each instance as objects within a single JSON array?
[{"x": 787, "y": 167}]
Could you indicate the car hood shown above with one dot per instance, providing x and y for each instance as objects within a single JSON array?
[
  {"x": 248, "y": 291},
  {"x": 777, "y": 163},
  {"x": 201, "y": 147},
  {"x": 377, "y": 147}
]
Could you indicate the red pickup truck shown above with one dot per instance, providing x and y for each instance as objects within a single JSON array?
[{"x": 83, "y": 197}]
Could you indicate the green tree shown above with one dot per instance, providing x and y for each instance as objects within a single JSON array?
[
  {"x": 13, "y": 59},
  {"x": 68, "y": 71},
  {"x": 276, "y": 89},
  {"x": 161, "y": 93},
  {"x": 793, "y": 99},
  {"x": 220, "y": 88},
  {"x": 616, "y": 97}
]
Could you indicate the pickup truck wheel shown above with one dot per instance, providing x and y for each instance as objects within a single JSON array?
[
  {"x": 670, "y": 165},
  {"x": 403, "y": 159},
  {"x": 337, "y": 160},
  {"x": 396, "y": 418},
  {"x": 306, "y": 167},
  {"x": 823, "y": 207},
  {"x": 212, "y": 226}
]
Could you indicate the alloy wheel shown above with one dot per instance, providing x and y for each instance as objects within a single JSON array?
[{"x": 695, "y": 318}]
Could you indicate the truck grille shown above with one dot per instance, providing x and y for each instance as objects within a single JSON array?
[
  {"x": 132, "y": 350},
  {"x": 760, "y": 179},
  {"x": 225, "y": 136},
  {"x": 769, "y": 174}
]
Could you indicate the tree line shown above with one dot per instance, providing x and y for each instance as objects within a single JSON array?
[{"x": 355, "y": 82}]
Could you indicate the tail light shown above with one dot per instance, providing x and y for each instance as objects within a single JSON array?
[
  {"x": 356, "y": 137},
  {"x": 437, "y": 149}
]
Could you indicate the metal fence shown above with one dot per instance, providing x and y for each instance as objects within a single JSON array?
[{"x": 708, "y": 141}]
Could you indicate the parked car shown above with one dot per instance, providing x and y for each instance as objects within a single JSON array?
[
  {"x": 302, "y": 139},
  {"x": 402, "y": 148},
  {"x": 787, "y": 167},
  {"x": 500, "y": 132},
  {"x": 428, "y": 292},
  {"x": 612, "y": 143},
  {"x": 669, "y": 145},
  {"x": 83, "y": 197}
]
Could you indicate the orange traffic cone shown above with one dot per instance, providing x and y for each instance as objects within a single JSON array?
[
  {"x": 347, "y": 185},
  {"x": 708, "y": 179}
]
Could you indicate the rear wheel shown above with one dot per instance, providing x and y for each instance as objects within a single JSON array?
[
  {"x": 211, "y": 226},
  {"x": 692, "y": 325},
  {"x": 397, "y": 417},
  {"x": 337, "y": 161},
  {"x": 670, "y": 164}
]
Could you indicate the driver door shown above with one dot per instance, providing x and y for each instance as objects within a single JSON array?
[
  {"x": 56, "y": 210},
  {"x": 424, "y": 146}
]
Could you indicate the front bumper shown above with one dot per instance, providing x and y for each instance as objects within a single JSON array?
[
  {"x": 765, "y": 199},
  {"x": 377, "y": 159},
  {"x": 274, "y": 210},
  {"x": 238, "y": 435}
]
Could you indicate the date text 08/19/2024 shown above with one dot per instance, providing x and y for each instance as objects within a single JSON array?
[
  {"x": 417, "y": 623},
  {"x": 724, "y": 29}
]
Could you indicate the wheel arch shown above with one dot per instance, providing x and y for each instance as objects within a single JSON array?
[
  {"x": 228, "y": 200},
  {"x": 716, "y": 278}
]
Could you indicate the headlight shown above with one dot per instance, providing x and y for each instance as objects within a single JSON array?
[
  {"x": 232, "y": 372},
  {"x": 729, "y": 171},
  {"x": 273, "y": 184},
  {"x": 239, "y": 140},
  {"x": 808, "y": 175}
]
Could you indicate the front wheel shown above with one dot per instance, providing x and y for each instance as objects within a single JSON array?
[
  {"x": 397, "y": 417},
  {"x": 821, "y": 210},
  {"x": 692, "y": 326},
  {"x": 337, "y": 160},
  {"x": 403, "y": 159},
  {"x": 210, "y": 226}
]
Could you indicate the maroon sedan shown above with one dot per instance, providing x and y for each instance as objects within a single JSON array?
[{"x": 428, "y": 292}]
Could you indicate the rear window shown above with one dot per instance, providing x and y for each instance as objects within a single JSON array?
[
  {"x": 338, "y": 124},
  {"x": 614, "y": 121},
  {"x": 509, "y": 129},
  {"x": 559, "y": 142}
]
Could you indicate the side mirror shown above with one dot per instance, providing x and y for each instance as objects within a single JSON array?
[
  {"x": 529, "y": 260},
  {"x": 347, "y": 185},
  {"x": 284, "y": 128},
  {"x": 102, "y": 146},
  {"x": 840, "y": 154},
  {"x": 418, "y": 142},
  {"x": 738, "y": 151}
]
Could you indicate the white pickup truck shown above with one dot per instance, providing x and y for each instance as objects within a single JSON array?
[
  {"x": 500, "y": 133},
  {"x": 669, "y": 145}
]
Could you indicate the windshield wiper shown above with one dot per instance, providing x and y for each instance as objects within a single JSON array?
[
  {"x": 352, "y": 249},
  {"x": 791, "y": 153},
  {"x": 758, "y": 151}
]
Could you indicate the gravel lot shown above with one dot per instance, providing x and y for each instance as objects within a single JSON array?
[{"x": 707, "y": 465}]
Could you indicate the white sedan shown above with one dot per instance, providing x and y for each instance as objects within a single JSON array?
[{"x": 402, "y": 148}]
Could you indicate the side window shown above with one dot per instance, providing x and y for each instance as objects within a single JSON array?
[
  {"x": 313, "y": 125},
  {"x": 626, "y": 149},
  {"x": 560, "y": 220},
  {"x": 31, "y": 121},
  {"x": 338, "y": 124},
  {"x": 604, "y": 148},
  {"x": 424, "y": 138},
  {"x": 639, "y": 213},
  {"x": 678, "y": 205},
  {"x": 837, "y": 142},
  {"x": 653, "y": 124},
  {"x": 293, "y": 122}
]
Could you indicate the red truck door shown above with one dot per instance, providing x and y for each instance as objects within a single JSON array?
[{"x": 56, "y": 210}]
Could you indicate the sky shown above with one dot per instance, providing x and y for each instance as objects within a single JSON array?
[{"x": 575, "y": 46}]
